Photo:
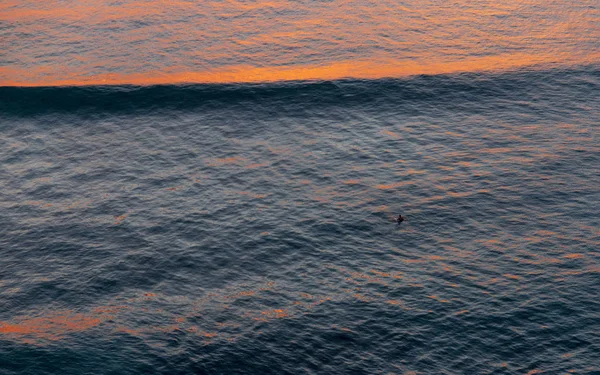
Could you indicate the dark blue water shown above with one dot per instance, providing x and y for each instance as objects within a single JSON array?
[{"x": 248, "y": 229}]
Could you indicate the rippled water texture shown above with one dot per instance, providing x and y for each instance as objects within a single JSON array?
[
  {"x": 210, "y": 187},
  {"x": 249, "y": 229},
  {"x": 154, "y": 41}
]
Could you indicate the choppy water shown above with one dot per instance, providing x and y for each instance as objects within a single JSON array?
[
  {"x": 210, "y": 187},
  {"x": 248, "y": 228}
]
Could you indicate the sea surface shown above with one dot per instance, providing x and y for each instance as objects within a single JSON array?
[{"x": 211, "y": 187}]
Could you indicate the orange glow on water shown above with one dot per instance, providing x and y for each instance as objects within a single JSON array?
[
  {"x": 119, "y": 219},
  {"x": 217, "y": 42},
  {"x": 51, "y": 327},
  {"x": 392, "y": 186},
  {"x": 248, "y": 74},
  {"x": 574, "y": 256}
]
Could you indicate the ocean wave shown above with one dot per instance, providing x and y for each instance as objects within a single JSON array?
[{"x": 455, "y": 89}]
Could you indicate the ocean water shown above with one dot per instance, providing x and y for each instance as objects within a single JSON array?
[
  {"x": 93, "y": 42},
  {"x": 234, "y": 213},
  {"x": 249, "y": 228}
]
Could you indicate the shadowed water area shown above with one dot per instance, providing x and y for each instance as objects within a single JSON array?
[
  {"x": 249, "y": 228},
  {"x": 211, "y": 187}
]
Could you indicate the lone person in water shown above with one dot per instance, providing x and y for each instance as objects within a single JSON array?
[{"x": 400, "y": 219}]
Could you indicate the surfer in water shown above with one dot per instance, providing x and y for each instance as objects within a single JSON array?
[{"x": 400, "y": 219}]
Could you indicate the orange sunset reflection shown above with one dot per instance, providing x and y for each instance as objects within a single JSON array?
[{"x": 160, "y": 42}]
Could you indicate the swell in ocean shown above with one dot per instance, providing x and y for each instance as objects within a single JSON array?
[{"x": 413, "y": 92}]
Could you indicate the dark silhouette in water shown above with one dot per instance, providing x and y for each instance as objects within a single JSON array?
[{"x": 400, "y": 219}]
